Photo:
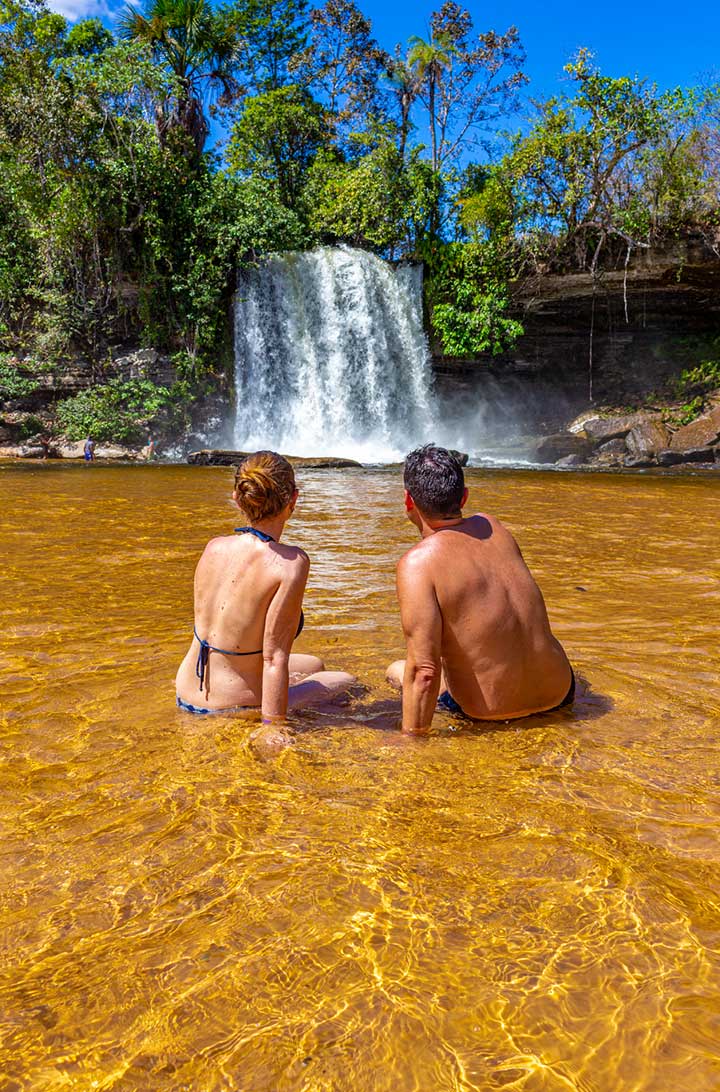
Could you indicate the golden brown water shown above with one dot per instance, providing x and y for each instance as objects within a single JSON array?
[{"x": 533, "y": 906}]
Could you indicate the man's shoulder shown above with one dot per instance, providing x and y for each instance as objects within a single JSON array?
[{"x": 415, "y": 556}]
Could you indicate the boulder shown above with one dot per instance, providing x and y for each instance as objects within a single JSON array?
[
  {"x": 702, "y": 432},
  {"x": 614, "y": 448},
  {"x": 22, "y": 451},
  {"x": 638, "y": 462},
  {"x": 692, "y": 455},
  {"x": 569, "y": 461},
  {"x": 647, "y": 438},
  {"x": 551, "y": 448},
  {"x": 116, "y": 451},
  {"x": 579, "y": 422},
  {"x": 70, "y": 449},
  {"x": 612, "y": 428},
  {"x": 213, "y": 457},
  {"x": 611, "y": 453}
]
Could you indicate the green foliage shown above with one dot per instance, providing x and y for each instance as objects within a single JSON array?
[
  {"x": 468, "y": 297},
  {"x": 16, "y": 380},
  {"x": 612, "y": 166},
  {"x": 114, "y": 223},
  {"x": 698, "y": 381},
  {"x": 378, "y": 201},
  {"x": 277, "y": 137},
  {"x": 689, "y": 411},
  {"x": 272, "y": 34},
  {"x": 193, "y": 254},
  {"x": 121, "y": 410},
  {"x": 198, "y": 47}
]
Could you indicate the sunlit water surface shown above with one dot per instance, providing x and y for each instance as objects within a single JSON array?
[{"x": 531, "y": 906}]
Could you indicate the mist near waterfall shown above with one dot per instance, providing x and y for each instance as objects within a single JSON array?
[{"x": 332, "y": 359}]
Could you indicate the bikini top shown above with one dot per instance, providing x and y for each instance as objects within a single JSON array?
[{"x": 206, "y": 648}]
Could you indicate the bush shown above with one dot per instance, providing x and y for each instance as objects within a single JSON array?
[
  {"x": 16, "y": 381},
  {"x": 699, "y": 380},
  {"x": 122, "y": 410},
  {"x": 467, "y": 293}
]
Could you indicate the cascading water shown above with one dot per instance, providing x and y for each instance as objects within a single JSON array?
[{"x": 331, "y": 357}]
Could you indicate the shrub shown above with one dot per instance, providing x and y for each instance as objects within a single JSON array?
[
  {"x": 16, "y": 381},
  {"x": 122, "y": 410}
]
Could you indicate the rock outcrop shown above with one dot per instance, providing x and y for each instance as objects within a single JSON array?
[
  {"x": 550, "y": 449},
  {"x": 636, "y": 441},
  {"x": 647, "y": 438},
  {"x": 214, "y": 457},
  {"x": 704, "y": 431}
]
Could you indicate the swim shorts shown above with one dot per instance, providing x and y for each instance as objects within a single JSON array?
[{"x": 447, "y": 702}]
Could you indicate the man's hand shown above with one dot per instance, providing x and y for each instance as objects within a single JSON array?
[{"x": 422, "y": 626}]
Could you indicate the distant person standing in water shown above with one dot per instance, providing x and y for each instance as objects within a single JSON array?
[
  {"x": 474, "y": 619},
  {"x": 249, "y": 590},
  {"x": 149, "y": 449},
  {"x": 89, "y": 450}
]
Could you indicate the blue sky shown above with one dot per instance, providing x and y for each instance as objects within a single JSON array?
[{"x": 671, "y": 45}]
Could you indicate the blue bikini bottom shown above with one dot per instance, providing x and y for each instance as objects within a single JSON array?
[{"x": 196, "y": 709}]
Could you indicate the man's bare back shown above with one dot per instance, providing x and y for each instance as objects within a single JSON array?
[{"x": 473, "y": 615}]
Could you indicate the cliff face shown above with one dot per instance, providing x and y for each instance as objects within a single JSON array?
[{"x": 611, "y": 340}]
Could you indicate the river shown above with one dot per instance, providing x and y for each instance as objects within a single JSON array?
[{"x": 532, "y": 906}]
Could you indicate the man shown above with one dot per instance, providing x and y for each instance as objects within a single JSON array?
[
  {"x": 474, "y": 619},
  {"x": 89, "y": 450}
]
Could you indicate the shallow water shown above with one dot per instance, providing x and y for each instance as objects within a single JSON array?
[{"x": 532, "y": 906}]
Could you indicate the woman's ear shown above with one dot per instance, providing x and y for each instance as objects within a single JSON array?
[{"x": 463, "y": 502}]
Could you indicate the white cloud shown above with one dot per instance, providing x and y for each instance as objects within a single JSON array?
[{"x": 82, "y": 9}]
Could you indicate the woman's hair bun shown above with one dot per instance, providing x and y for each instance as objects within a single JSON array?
[{"x": 264, "y": 483}]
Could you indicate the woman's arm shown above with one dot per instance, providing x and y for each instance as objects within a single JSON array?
[{"x": 281, "y": 626}]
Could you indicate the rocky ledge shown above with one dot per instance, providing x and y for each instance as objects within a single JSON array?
[
  {"x": 213, "y": 457},
  {"x": 634, "y": 441},
  {"x": 43, "y": 448}
]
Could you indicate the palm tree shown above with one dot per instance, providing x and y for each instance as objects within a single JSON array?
[
  {"x": 406, "y": 87},
  {"x": 428, "y": 60},
  {"x": 198, "y": 47}
]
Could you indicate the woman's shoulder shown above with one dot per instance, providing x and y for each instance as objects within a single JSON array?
[{"x": 293, "y": 555}]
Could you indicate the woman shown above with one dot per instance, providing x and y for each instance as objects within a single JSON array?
[{"x": 248, "y": 609}]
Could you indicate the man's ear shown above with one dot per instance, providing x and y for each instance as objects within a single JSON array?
[
  {"x": 463, "y": 502},
  {"x": 409, "y": 502}
]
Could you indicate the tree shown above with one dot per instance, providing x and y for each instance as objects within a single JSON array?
[
  {"x": 428, "y": 62},
  {"x": 271, "y": 33},
  {"x": 599, "y": 168},
  {"x": 199, "y": 47},
  {"x": 479, "y": 85},
  {"x": 378, "y": 201},
  {"x": 277, "y": 138},
  {"x": 404, "y": 89},
  {"x": 343, "y": 64}
]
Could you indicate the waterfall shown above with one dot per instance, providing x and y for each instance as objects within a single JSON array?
[{"x": 331, "y": 357}]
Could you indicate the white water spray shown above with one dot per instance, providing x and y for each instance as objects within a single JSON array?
[{"x": 331, "y": 357}]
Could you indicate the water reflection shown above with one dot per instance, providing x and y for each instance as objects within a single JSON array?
[{"x": 534, "y": 907}]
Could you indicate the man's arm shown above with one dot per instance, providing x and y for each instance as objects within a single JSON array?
[{"x": 422, "y": 626}]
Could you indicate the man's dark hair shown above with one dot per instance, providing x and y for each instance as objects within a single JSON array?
[{"x": 435, "y": 481}]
